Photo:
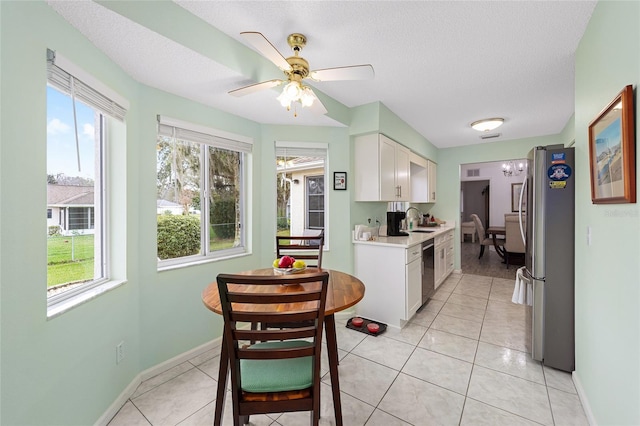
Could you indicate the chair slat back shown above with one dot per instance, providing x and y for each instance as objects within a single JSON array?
[
  {"x": 246, "y": 298},
  {"x": 301, "y": 247}
]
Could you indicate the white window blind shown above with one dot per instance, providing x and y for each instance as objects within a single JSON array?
[
  {"x": 200, "y": 134},
  {"x": 66, "y": 81},
  {"x": 286, "y": 149}
]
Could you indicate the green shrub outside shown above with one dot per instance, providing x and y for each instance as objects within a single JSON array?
[
  {"x": 223, "y": 216},
  {"x": 283, "y": 223},
  {"x": 178, "y": 236}
]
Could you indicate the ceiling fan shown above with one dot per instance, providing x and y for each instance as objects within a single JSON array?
[{"x": 296, "y": 69}]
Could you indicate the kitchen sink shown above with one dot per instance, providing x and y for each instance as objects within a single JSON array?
[{"x": 426, "y": 231}]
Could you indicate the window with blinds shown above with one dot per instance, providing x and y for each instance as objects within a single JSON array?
[
  {"x": 301, "y": 199},
  {"x": 78, "y": 109},
  {"x": 201, "y": 194}
]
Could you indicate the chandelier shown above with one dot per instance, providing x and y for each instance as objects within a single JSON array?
[{"x": 510, "y": 169}]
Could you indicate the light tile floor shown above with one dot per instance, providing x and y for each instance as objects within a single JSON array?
[{"x": 461, "y": 360}]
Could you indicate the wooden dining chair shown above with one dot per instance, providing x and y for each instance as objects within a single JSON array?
[
  {"x": 301, "y": 247},
  {"x": 281, "y": 373}
]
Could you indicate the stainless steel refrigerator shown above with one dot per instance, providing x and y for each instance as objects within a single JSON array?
[{"x": 549, "y": 257}]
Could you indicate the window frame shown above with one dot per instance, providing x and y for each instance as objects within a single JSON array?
[
  {"x": 317, "y": 149},
  {"x": 222, "y": 140},
  {"x": 111, "y": 108}
]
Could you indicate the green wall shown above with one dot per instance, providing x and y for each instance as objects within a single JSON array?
[
  {"x": 51, "y": 368},
  {"x": 607, "y": 271}
]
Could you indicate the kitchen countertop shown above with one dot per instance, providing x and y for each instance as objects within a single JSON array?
[{"x": 411, "y": 240}]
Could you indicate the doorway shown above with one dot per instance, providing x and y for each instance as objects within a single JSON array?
[{"x": 475, "y": 199}]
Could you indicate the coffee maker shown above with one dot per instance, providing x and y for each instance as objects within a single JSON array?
[{"x": 394, "y": 219}]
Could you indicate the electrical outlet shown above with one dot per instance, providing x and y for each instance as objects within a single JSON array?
[{"x": 119, "y": 352}]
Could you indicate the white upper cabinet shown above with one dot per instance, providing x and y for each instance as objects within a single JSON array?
[
  {"x": 381, "y": 169},
  {"x": 423, "y": 180},
  {"x": 431, "y": 181}
]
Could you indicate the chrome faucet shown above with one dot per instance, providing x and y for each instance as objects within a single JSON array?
[{"x": 413, "y": 208}]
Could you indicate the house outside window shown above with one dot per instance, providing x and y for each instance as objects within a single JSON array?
[
  {"x": 201, "y": 194},
  {"x": 301, "y": 199}
]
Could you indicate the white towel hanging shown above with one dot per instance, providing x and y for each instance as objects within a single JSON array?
[{"x": 523, "y": 290}]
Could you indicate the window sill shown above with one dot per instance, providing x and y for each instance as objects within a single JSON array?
[
  {"x": 64, "y": 305},
  {"x": 200, "y": 260}
]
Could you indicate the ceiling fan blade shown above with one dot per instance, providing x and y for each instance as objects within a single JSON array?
[
  {"x": 317, "y": 107},
  {"x": 252, "y": 88},
  {"x": 267, "y": 49},
  {"x": 355, "y": 72}
]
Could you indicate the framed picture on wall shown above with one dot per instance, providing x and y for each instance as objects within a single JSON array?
[
  {"x": 515, "y": 197},
  {"x": 340, "y": 180},
  {"x": 612, "y": 152}
]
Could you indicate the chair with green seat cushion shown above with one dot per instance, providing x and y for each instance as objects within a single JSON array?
[
  {"x": 277, "y": 375},
  {"x": 282, "y": 372}
]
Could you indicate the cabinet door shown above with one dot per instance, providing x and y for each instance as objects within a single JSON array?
[
  {"x": 388, "y": 190},
  {"x": 402, "y": 164},
  {"x": 432, "y": 167},
  {"x": 440, "y": 266},
  {"x": 449, "y": 259},
  {"x": 414, "y": 287}
]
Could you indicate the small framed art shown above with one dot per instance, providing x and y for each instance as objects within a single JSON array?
[{"x": 340, "y": 180}]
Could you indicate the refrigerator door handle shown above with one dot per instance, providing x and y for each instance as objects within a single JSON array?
[{"x": 522, "y": 189}]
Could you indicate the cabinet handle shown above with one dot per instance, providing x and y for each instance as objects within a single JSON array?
[{"x": 433, "y": 197}]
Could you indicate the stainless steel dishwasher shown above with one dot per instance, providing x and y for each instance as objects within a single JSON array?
[{"x": 428, "y": 277}]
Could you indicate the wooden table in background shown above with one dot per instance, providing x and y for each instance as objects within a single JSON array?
[
  {"x": 343, "y": 292},
  {"x": 493, "y": 232}
]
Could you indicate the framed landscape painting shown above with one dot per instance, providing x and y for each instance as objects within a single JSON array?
[{"x": 612, "y": 152}]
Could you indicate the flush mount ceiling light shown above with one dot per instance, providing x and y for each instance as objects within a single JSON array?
[{"x": 487, "y": 124}]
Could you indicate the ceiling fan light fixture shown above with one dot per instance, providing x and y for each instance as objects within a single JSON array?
[
  {"x": 487, "y": 124},
  {"x": 307, "y": 97},
  {"x": 294, "y": 91},
  {"x": 284, "y": 100}
]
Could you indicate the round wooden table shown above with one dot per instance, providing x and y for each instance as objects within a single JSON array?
[{"x": 343, "y": 292}]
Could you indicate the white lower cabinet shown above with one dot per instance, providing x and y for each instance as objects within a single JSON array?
[
  {"x": 413, "y": 272},
  {"x": 393, "y": 282},
  {"x": 443, "y": 257}
]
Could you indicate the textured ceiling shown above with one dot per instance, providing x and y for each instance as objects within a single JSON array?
[{"x": 438, "y": 65}]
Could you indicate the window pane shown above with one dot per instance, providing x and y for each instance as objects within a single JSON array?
[
  {"x": 224, "y": 200},
  {"x": 178, "y": 198},
  {"x": 315, "y": 202},
  {"x": 74, "y": 185},
  {"x": 300, "y": 193}
]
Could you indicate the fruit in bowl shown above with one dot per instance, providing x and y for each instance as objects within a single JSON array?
[{"x": 288, "y": 262}]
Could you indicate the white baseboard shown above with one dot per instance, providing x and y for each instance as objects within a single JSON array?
[
  {"x": 119, "y": 402},
  {"x": 151, "y": 372},
  {"x": 583, "y": 399},
  {"x": 179, "y": 359}
]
